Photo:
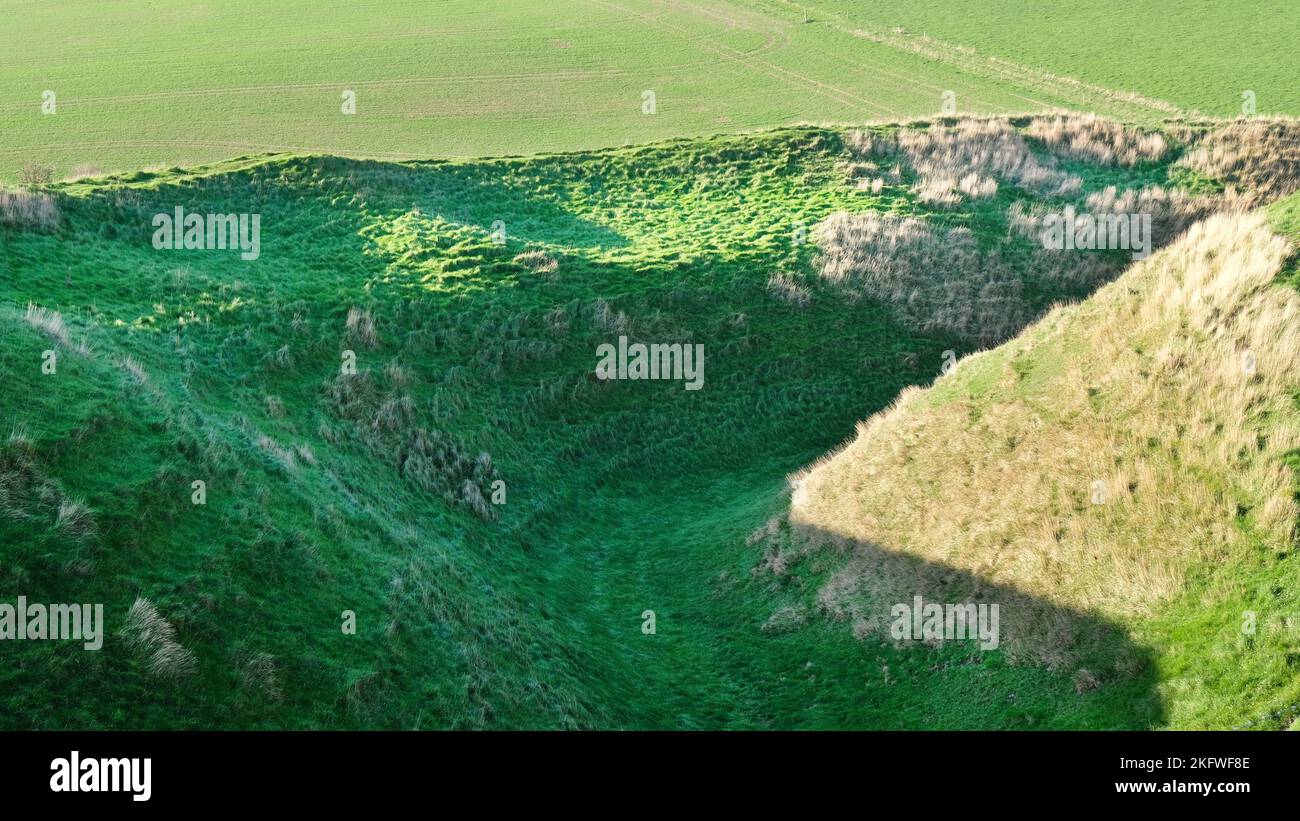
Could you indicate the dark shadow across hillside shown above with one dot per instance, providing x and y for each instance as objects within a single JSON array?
[{"x": 1054, "y": 668}]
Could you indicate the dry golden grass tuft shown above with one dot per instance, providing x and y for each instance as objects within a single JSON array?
[
  {"x": 76, "y": 519},
  {"x": 50, "y": 322},
  {"x": 539, "y": 262},
  {"x": 281, "y": 454},
  {"x": 147, "y": 632},
  {"x": 787, "y": 289},
  {"x": 84, "y": 171},
  {"x": 132, "y": 366},
  {"x": 1089, "y": 463},
  {"x": 936, "y": 279},
  {"x": 968, "y": 158},
  {"x": 28, "y": 209},
  {"x": 1171, "y": 210},
  {"x": 258, "y": 675},
  {"x": 1089, "y": 137},
  {"x": 1259, "y": 155},
  {"x": 361, "y": 328},
  {"x": 945, "y": 279}
]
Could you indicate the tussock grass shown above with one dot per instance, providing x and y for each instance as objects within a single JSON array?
[
  {"x": 153, "y": 637},
  {"x": 1101, "y": 140},
  {"x": 537, "y": 261},
  {"x": 1171, "y": 210},
  {"x": 967, "y": 158},
  {"x": 75, "y": 519},
  {"x": 51, "y": 322},
  {"x": 786, "y": 288},
  {"x": 938, "y": 279},
  {"x": 258, "y": 675},
  {"x": 282, "y": 455},
  {"x": 84, "y": 171},
  {"x": 133, "y": 367},
  {"x": 361, "y": 328},
  {"x": 969, "y": 281},
  {"x": 28, "y": 209},
  {"x": 1260, "y": 156}
]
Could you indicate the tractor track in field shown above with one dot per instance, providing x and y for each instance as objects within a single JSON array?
[
  {"x": 899, "y": 79},
  {"x": 876, "y": 68},
  {"x": 1082, "y": 94},
  {"x": 771, "y": 70},
  {"x": 751, "y": 17},
  {"x": 773, "y": 40}
]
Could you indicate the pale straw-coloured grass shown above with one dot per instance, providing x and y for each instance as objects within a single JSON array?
[{"x": 1089, "y": 463}]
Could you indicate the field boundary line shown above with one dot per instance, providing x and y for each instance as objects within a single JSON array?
[{"x": 998, "y": 69}]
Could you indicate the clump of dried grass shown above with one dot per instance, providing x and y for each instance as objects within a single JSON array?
[
  {"x": 361, "y": 328},
  {"x": 51, "y": 322},
  {"x": 1171, "y": 210},
  {"x": 539, "y": 262},
  {"x": 1089, "y": 137},
  {"x": 785, "y": 288},
  {"x": 939, "y": 279},
  {"x": 385, "y": 423},
  {"x": 1258, "y": 156},
  {"x": 472, "y": 497},
  {"x": 84, "y": 171},
  {"x": 148, "y": 633},
  {"x": 281, "y": 454},
  {"x": 967, "y": 158},
  {"x": 936, "y": 279},
  {"x": 132, "y": 366},
  {"x": 786, "y": 618},
  {"x": 28, "y": 209},
  {"x": 75, "y": 519},
  {"x": 257, "y": 675},
  {"x": 605, "y": 318},
  {"x": 438, "y": 464}
]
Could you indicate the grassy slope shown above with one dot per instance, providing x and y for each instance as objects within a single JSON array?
[
  {"x": 1199, "y": 56},
  {"x": 1142, "y": 388},
  {"x": 621, "y": 497},
  {"x": 201, "y": 82}
]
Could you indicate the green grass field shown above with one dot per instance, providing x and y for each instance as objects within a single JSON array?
[
  {"x": 1199, "y": 56},
  {"x": 182, "y": 83}
]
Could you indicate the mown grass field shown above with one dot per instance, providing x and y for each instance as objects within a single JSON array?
[
  {"x": 179, "y": 83},
  {"x": 324, "y": 493},
  {"x": 1199, "y": 56}
]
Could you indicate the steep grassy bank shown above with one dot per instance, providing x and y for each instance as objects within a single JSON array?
[{"x": 1131, "y": 457}]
